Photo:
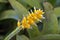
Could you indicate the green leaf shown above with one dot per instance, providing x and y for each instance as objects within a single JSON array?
[
  {"x": 57, "y": 11},
  {"x": 3, "y": 1},
  {"x": 9, "y": 18},
  {"x": 59, "y": 25},
  {"x": 20, "y": 9},
  {"x": 47, "y": 6},
  {"x": 13, "y": 33},
  {"x": 34, "y": 32},
  {"x": 3, "y": 7},
  {"x": 8, "y": 14},
  {"x": 1, "y": 37},
  {"x": 50, "y": 37},
  {"x": 32, "y": 3},
  {"x": 50, "y": 23},
  {"x": 52, "y": 2},
  {"x": 21, "y": 37},
  {"x": 24, "y": 4},
  {"x": 59, "y": 22},
  {"x": 36, "y": 38},
  {"x": 57, "y": 3}
]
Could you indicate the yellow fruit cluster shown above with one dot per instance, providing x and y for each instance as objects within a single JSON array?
[{"x": 32, "y": 17}]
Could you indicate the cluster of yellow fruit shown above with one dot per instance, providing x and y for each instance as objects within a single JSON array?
[{"x": 32, "y": 17}]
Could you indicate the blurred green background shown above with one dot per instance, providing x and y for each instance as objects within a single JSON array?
[{"x": 12, "y": 10}]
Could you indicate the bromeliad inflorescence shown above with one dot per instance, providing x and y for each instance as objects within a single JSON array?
[{"x": 31, "y": 18}]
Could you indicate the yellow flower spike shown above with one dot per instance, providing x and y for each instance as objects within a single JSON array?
[
  {"x": 18, "y": 23},
  {"x": 24, "y": 23},
  {"x": 39, "y": 16},
  {"x": 33, "y": 15},
  {"x": 29, "y": 20},
  {"x": 29, "y": 14},
  {"x": 30, "y": 17},
  {"x": 39, "y": 11},
  {"x": 35, "y": 9},
  {"x": 36, "y": 17},
  {"x": 27, "y": 26},
  {"x": 24, "y": 20}
]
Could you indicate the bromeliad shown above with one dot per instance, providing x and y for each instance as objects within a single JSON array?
[{"x": 31, "y": 18}]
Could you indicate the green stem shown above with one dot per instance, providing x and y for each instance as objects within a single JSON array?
[{"x": 13, "y": 33}]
